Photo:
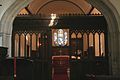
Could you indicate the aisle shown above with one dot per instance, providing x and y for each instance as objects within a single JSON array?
[{"x": 60, "y": 68}]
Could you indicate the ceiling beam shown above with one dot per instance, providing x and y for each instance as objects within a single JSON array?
[
  {"x": 90, "y": 10},
  {"x": 28, "y": 10}
]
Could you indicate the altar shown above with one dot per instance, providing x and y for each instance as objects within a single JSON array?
[
  {"x": 61, "y": 60},
  {"x": 60, "y": 57}
]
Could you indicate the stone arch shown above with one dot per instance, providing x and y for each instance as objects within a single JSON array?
[
  {"x": 111, "y": 16},
  {"x": 7, "y": 22},
  {"x": 104, "y": 6}
]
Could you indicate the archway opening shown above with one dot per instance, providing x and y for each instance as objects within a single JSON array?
[
  {"x": 75, "y": 38},
  {"x": 105, "y": 16}
]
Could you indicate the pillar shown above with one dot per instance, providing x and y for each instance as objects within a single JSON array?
[
  {"x": 5, "y": 41},
  {"x": 114, "y": 56}
]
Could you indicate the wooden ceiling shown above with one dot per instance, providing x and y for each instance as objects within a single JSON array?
[{"x": 48, "y": 7}]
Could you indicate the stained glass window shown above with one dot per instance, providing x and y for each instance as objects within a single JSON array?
[{"x": 60, "y": 37}]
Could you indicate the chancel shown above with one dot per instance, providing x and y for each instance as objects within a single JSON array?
[
  {"x": 58, "y": 40},
  {"x": 73, "y": 38}
]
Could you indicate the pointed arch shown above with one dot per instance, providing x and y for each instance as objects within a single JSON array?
[
  {"x": 28, "y": 44},
  {"x": 91, "y": 39},
  {"x": 102, "y": 44},
  {"x": 33, "y": 41},
  {"x": 105, "y": 6},
  {"x": 79, "y": 35},
  {"x": 97, "y": 44},
  {"x": 73, "y": 35},
  {"x": 16, "y": 51},
  {"x": 85, "y": 42},
  {"x": 22, "y": 45}
]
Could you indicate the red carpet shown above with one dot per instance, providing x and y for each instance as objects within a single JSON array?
[
  {"x": 60, "y": 66},
  {"x": 60, "y": 77}
]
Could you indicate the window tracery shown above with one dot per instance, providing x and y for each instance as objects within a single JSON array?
[{"x": 60, "y": 37}]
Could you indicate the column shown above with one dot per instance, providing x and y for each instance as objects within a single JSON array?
[
  {"x": 5, "y": 41},
  {"x": 114, "y": 52},
  {"x": 0, "y": 40}
]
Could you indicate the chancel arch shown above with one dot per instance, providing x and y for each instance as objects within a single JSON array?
[{"x": 107, "y": 10}]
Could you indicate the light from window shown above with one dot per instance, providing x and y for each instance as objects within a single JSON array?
[
  {"x": 97, "y": 50},
  {"x": 16, "y": 45},
  {"x": 22, "y": 45},
  {"x": 60, "y": 37}
]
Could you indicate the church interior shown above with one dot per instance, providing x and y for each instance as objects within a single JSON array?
[{"x": 57, "y": 40}]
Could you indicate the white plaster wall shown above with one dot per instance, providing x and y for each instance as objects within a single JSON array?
[{"x": 36, "y": 4}]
